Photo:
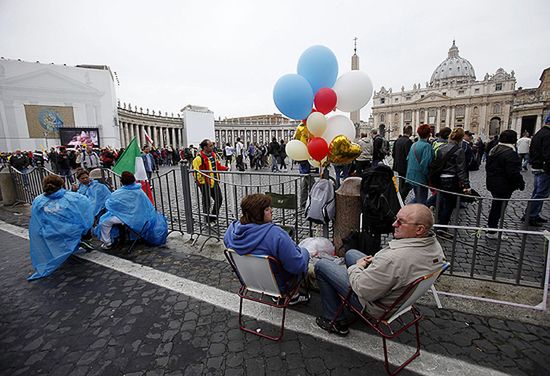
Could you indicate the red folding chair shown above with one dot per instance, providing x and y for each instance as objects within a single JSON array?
[
  {"x": 393, "y": 321},
  {"x": 258, "y": 284}
]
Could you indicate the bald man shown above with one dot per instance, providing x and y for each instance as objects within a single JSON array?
[{"x": 381, "y": 278}]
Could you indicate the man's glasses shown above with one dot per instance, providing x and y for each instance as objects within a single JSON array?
[{"x": 401, "y": 222}]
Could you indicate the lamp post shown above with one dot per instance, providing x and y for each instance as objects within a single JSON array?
[{"x": 46, "y": 138}]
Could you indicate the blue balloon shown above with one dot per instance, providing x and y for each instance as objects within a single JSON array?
[
  {"x": 319, "y": 66},
  {"x": 293, "y": 96}
]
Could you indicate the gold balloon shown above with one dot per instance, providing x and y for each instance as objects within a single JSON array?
[
  {"x": 301, "y": 133},
  {"x": 342, "y": 150}
]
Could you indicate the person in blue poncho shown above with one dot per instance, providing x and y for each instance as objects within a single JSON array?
[
  {"x": 130, "y": 206},
  {"x": 96, "y": 192},
  {"x": 59, "y": 218},
  {"x": 255, "y": 234}
]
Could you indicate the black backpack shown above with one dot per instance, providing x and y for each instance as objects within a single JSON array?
[{"x": 379, "y": 199}]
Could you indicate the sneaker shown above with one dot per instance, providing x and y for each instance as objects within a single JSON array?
[
  {"x": 338, "y": 328},
  {"x": 494, "y": 236},
  {"x": 106, "y": 246},
  {"x": 300, "y": 298},
  {"x": 86, "y": 245},
  {"x": 296, "y": 299}
]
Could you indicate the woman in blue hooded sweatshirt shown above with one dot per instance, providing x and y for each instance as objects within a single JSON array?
[{"x": 255, "y": 234}]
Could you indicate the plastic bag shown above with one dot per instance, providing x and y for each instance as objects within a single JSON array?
[{"x": 318, "y": 247}]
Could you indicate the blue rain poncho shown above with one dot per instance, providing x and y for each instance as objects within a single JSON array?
[
  {"x": 130, "y": 204},
  {"x": 58, "y": 221},
  {"x": 97, "y": 193}
]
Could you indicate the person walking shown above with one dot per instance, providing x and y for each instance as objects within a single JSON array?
[
  {"x": 523, "y": 145},
  {"x": 274, "y": 150},
  {"x": 503, "y": 177},
  {"x": 364, "y": 160},
  {"x": 539, "y": 153},
  {"x": 400, "y": 154},
  {"x": 208, "y": 182},
  {"x": 418, "y": 168}
]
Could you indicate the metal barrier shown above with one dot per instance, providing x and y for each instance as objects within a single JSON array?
[{"x": 519, "y": 258}]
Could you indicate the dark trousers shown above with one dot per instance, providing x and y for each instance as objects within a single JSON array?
[
  {"x": 240, "y": 164},
  {"x": 211, "y": 193},
  {"x": 361, "y": 166},
  {"x": 447, "y": 203},
  {"x": 496, "y": 208}
]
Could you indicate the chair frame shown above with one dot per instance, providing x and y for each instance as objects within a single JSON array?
[
  {"x": 291, "y": 286},
  {"x": 392, "y": 313},
  {"x": 124, "y": 230}
]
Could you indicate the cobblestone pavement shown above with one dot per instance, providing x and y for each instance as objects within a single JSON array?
[{"x": 88, "y": 319}]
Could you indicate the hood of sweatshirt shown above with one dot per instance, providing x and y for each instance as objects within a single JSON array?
[{"x": 245, "y": 238}]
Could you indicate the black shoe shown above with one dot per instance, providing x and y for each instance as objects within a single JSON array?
[
  {"x": 86, "y": 245},
  {"x": 338, "y": 328},
  {"x": 541, "y": 220},
  {"x": 534, "y": 223}
]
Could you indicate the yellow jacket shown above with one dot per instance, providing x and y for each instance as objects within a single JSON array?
[{"x": 202, "y": 162}]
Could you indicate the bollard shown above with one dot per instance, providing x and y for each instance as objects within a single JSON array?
[
  {"x": 7, "y": 188},
  {"x": 348, "y": 211}
]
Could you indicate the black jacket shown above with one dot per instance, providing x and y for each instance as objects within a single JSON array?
[
  {"x": 456, "y": 163},
  {"x": 400, "y": 152},
  {"x": 539, "y": 151},
  {"x": 503, "y": 171},
  {"x": 19, "y": 162},
  {"x": 377, "y": 146}
]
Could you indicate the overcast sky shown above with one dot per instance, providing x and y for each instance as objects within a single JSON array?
[{"x": 227, "y": 55}]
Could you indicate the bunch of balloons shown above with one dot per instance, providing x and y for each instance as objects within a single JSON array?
[{"x": 312, "y": 93}]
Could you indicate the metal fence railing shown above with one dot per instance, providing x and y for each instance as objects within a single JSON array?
[{"x": 517, "y": 256}]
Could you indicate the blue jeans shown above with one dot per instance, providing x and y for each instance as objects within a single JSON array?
[
  {"x": 420, "y": 194},
  {"x": 342, "y": 172},
  {"x": 333, "y": 280},
  {"x": 541, "y": 189}
]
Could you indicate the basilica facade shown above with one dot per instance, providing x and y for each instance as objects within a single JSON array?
[{"x": 455, "y": 98}]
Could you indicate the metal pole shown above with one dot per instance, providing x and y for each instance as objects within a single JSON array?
[{"x": 186, "y": 193}]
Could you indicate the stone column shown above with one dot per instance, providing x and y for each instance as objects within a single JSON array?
[
  {"x": 538, "y": 125},
  {"x": 453, "y": 117},
  {"x": 126, "y": 135},
  {"x": 121, "y": 134},
  {"x": 438, "y": 120},
  {"x": 466, "y": 117},
  {"x": 174, "y": 143}
]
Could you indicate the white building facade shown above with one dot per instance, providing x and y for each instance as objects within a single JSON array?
[{"x": 37, "y": 100}]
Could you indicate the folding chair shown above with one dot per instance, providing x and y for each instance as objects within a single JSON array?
[
  {"x": 284, "y": 202},
  {"x": 257, "y": 276},
  {"x": 394, "y": 313},
  {"x": 125, "y": 233}
]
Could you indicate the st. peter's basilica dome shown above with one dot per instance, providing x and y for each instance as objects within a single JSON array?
[{"x": 453, "y": 68}]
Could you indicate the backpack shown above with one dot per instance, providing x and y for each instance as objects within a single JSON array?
[
  {"x": 321, "y": 207},
  {"x": 379, "y": 200},
  {"x": 436, "y": 168}
]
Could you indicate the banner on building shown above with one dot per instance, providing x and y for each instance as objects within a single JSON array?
[{"x": 45, "y": 121}]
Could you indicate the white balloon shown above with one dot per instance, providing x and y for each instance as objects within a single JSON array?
[
  {"x": 316, "y": 124},
  {"x": 354, "y": 90},
  {"x": 317, "y": 164},
  {"x": 297, "y": 150},
  {"x": 337, "y": 125}
]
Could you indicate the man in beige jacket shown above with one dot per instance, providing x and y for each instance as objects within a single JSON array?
[{"x": 382, "y": 278}]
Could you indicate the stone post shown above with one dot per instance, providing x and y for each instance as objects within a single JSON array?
[{"x": 348, "y": 211}]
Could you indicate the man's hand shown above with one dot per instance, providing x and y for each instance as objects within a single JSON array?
[
  {"x": 74, "y": 187},
  {"x": 364, "y": 261}
]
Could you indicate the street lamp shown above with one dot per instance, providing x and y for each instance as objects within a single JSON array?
[{"x": 46, "y": 138}]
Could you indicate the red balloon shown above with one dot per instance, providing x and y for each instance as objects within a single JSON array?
[
  {"x": 325, "y": 100},
  {"x": 317, "y": 148}
]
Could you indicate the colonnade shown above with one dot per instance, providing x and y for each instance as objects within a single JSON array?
[{"x": 162, "y": 136}]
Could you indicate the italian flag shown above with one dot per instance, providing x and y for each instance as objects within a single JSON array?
[{"x": 131, "y": 160}]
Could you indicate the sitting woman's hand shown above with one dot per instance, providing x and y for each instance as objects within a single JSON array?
[{"x": 74, "y": 187}]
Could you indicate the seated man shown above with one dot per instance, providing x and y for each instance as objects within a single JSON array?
[
  {"x": 130, "y": 206},
  {"x": 59, "y": 218},
  {"x": 382, "y": 278},
  {"x": 255, "y": 234}
]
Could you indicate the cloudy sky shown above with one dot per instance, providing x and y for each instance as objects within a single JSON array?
[{"x": 227, "y": 55}]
